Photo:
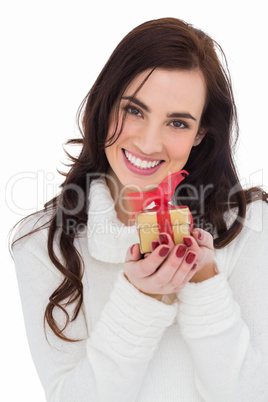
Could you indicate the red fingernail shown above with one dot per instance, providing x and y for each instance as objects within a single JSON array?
[
  {"x": 188, "y": 242},
  {"x": 190, "y": 257},
  {"x": 181, "y": 250},
  {"x": 194, "y": 267},
  {"x": 163, "y": 239},
  {"x": 163, "y": 251},
  {"x": 200, "y": 234},
  {"x": 154, "y": 244},
  {"x": 132, "y": 248}
]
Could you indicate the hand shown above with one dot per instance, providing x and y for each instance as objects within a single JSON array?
[
  {"x": 201, "y": 242},
  {"x": 168, "y": 268},
  {"x": 164, "y": 271}
]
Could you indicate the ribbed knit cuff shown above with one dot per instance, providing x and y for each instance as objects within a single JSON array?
[
  {"x": 207, "y": 308},
  {"x": 131, "y": 323}
]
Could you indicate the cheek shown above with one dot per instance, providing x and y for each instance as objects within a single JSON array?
[
  {"x": 179, "y": 148},
  {"x": 119, "y": 133}
]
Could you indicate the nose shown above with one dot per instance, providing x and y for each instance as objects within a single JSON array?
[{"x": 149, "y": 139}]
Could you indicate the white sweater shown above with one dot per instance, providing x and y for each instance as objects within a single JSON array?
[{"x": 210, "y": 343}]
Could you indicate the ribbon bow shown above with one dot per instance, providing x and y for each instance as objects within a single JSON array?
[{"x": 161, "y": 196}]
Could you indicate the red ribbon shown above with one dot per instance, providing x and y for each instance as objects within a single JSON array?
[{"x": 161, "y": 196}]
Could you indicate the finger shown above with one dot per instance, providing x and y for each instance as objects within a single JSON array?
[
  {"x": 203, "y": 238},
  {"x": 194, "y": 242},
  {"x": 187, "y": 278},
  {"x": 133, "y": 253},
  {"x": 150, "y": 264},
  {"x": 180, "y": 276},
  {"x": 154, "y": 244},
  {"x": 167, "y": 270},
  {"x": 165, "y": 238},
  {"x": 191, "y": 243}
]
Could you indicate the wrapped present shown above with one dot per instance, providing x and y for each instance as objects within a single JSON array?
[
  {"x": 163, "y": 217},
  {"x": 177, "y": 223}
]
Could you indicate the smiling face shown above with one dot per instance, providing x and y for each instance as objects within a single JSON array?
[{"x": 162, "y": 125}]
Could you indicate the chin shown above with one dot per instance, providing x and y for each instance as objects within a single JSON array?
[{"x": 141, "y": 184}]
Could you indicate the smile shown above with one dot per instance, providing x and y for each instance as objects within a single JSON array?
[{"x": 140, "y": 162}]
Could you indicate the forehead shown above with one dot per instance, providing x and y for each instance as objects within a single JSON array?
[{"x": 170, "y": 89}]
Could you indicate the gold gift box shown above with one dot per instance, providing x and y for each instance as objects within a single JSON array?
[{"x": 147, "y": 225}]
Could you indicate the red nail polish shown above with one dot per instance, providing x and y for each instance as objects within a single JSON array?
[
  {"x": 181, "y": 250},
  {"x": 190, "y": 257},
  {"x": 200, "y": 234},
  {"x": 154, "y": 244},
  {"x": 163, "y": 251},
  {"x": 188, "y": 242},
  {"x": 163, "y": 239},
  {"x": 194, "y": 267}
]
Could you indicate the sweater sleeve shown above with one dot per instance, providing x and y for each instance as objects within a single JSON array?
[
  {"x": 107, "y": 364},
  {"x": 225, "y": 324}
]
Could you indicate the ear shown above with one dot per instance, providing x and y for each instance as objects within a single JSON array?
[{"x": 199, "y": 136}]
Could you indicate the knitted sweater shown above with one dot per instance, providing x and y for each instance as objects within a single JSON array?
[{"x": 209, "y": 342}]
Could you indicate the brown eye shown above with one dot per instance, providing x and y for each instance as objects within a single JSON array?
[
  {"x": 179, "y": 124},
  {"x": 133, "y": 110}
]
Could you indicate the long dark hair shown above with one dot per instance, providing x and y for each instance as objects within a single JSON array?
[{"x": 168, "y": 43}]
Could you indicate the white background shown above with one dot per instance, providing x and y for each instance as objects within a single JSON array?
[{"x": 51, "y": 54}]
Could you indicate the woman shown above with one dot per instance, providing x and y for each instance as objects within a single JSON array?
[{"x": 186, "y": 322}]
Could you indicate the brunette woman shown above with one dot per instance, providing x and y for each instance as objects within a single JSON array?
[{"x": 186, "y": 322}]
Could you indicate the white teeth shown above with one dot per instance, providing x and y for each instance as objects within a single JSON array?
[
  {"x": 137, "y": 162},
  {"x": 142, "y": 164}
]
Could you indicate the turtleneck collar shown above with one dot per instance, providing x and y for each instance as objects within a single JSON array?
[{"x": 108, "y": 237}]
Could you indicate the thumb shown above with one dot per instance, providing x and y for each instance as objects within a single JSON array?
[{"x": 203, "y": 238}]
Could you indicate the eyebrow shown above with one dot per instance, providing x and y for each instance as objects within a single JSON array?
[{"x": 147, "y": 109}]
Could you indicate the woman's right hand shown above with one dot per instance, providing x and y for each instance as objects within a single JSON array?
[{"x": 166, "y": 270}]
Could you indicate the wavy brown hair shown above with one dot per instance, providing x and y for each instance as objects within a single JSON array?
[{"x": 168, "y": 43}]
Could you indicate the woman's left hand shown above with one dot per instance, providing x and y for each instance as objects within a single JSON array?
[{"x": 201, "y": 242}]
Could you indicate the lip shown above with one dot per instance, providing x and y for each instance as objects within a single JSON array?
[
  {"x": 136, "y": 170},
  {"x": 142, "y": 157}
]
